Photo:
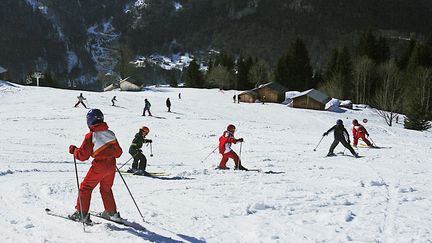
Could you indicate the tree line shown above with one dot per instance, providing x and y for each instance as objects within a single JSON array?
[{"x": 370, "y": 73}]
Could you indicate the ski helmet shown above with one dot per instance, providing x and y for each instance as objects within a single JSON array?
[
  {"x": 94, "y": 116},
  {"x": 231, "y": 128},
  {"x": 355, "y": 122},
  {"x": 339, "y": 122},
  {"x": 145, "y": 129}
]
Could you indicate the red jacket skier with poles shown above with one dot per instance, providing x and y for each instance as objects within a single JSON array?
[
  {"x": 101, "y": 144},
  {"x": 359, "y": 131},
  {"x": 225, "y": 142}
]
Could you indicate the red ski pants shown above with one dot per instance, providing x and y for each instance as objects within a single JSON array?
[
  {"x": 363, "y": 137},
  {"x": 228, "y": 155},
  {"x": 98, "y": 173}
]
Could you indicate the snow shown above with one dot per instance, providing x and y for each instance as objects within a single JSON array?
[{"x": 384, "y": 196}]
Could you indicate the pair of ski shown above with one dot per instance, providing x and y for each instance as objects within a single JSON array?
[
  {"x": 150, "y": 174},
  {"x": 256, "y": 170},
  {"x": 123, "y": 222}
]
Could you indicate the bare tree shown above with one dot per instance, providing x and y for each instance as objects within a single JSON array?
[
  {"x": 259, "y": 73},
  {"x": 423, "y": 87},
  {"x": 388, "y": 97},
  {"x": 364, "y": 69}
]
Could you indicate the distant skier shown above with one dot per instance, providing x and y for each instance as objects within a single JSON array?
[
  {"x": 168, "y": 104},
  {"x": 263, "y": 99},
  {"x": 101, "y": 144},
  {"x": 359, "y": 131},
  {"x": 112, "y": 100},
  {"x": 179, "y": 96},
  {"x": 140, "y": 161},
  {"x": 80, "y": 100},
  {"x": 340, "y": 135},
  {"x": 234, "y": 98},
  {"x": 225, "y": 142},
  {"x": 238, "y": 99},
  {"x": 147, "y": 107}
]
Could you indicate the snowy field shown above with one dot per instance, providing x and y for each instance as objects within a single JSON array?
[{"x": 384, "y": 196}]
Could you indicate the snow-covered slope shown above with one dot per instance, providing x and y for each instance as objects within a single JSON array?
[{"x": 384, "y": 196}]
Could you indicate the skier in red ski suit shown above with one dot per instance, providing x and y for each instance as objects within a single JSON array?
[
  {"x": 225, "y": 142},
  {"x": 359, "y": 131},
  {"x": 101, "y": 144}
]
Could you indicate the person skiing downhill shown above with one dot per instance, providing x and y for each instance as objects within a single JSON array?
[
  {"x": 80, "y": 100},
  {"x": 340, "y": 135},
  {"x": 147, "y": 107},
  {"x": 101, "y": 144},
  {"x": 140, "y": 161},
  {"x": 225, "y": 142},
  {"x": 112, "y": 100},
  {"x": 359, "y": 131}
]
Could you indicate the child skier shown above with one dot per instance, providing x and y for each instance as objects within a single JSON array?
[
  {"x": 80, "y": 100},
  {"x": 147, "y": 106},
  {"x": 359, "y": 131},
  {"x": 140, "y": 161},
  {"x": 225, "y": 142},
  {"x": 112, "y": 100},
  {"x": 101, "y": 144},
  {"x": 340, "y": 135}
]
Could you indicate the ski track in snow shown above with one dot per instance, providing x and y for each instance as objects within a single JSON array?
[{"x": 381, "y": 197}]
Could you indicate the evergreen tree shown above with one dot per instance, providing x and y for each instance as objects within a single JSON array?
[
  {"x": 418, "y": 105},
  {"x": 340, "y": 73},
  {"x": 403, "y": 63},
  {"x": 172, "y": 80},
  {"x": 367, "y": 45},
  {"x": 243, "y": 69},
  {"x": 193, "y": 76},
  {"x": 415, "y": 117},
  {"x": 293, "y": 69}
]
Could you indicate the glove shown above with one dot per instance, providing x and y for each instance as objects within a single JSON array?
[
  {"x": 349, "y": 142},
  {"x": 367, "y": 134},
  {"x": 325, "y": 134},
  {"x": 240, "y": 140},
  {"x": 149, "y": 141},
  {"x": 72, "y": 149}
]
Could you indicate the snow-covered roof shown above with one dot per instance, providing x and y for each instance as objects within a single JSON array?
[
  {"x": 2, "y": 70},
  {"x": 273, "y": 86},
  {"x": 314, "y": 94}
]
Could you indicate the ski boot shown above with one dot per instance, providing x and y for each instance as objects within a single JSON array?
[
  {"x": 77, "y": 217},
  {"x": 141, "y": 173},
  {"x": 330, "y": 154},
  {"x": 115, "y": 216},
  {"x": 131, "y": 170}
]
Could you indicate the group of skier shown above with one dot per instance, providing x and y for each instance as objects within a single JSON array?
[
  {"x": 147, "y": 104},
  {"x": 101, "y": 144},
  {"x": 341, "y": 135}
]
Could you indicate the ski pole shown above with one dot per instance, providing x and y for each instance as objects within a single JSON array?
[
  {"x": 318, "y": 143},
  {"x": 125, "y": 163},
  {"x": 372, "y": 141},
  {"x": 130, "y": 193},
  {"x": 241, "y": 143},
  {"x": 151, "y": 150},
  {"x": 79, "y": 197},
  {"x": 209, "y": 155}
]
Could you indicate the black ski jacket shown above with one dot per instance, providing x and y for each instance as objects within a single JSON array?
[
  {"x": 137, "y": 143},
  {"x": 340, "y": 133}
]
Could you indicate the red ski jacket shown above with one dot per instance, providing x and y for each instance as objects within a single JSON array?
[
  {"x": 101, "y": 144},
  {"x": 225, "y": 142},
  {"x": 359, "y": 131}
]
